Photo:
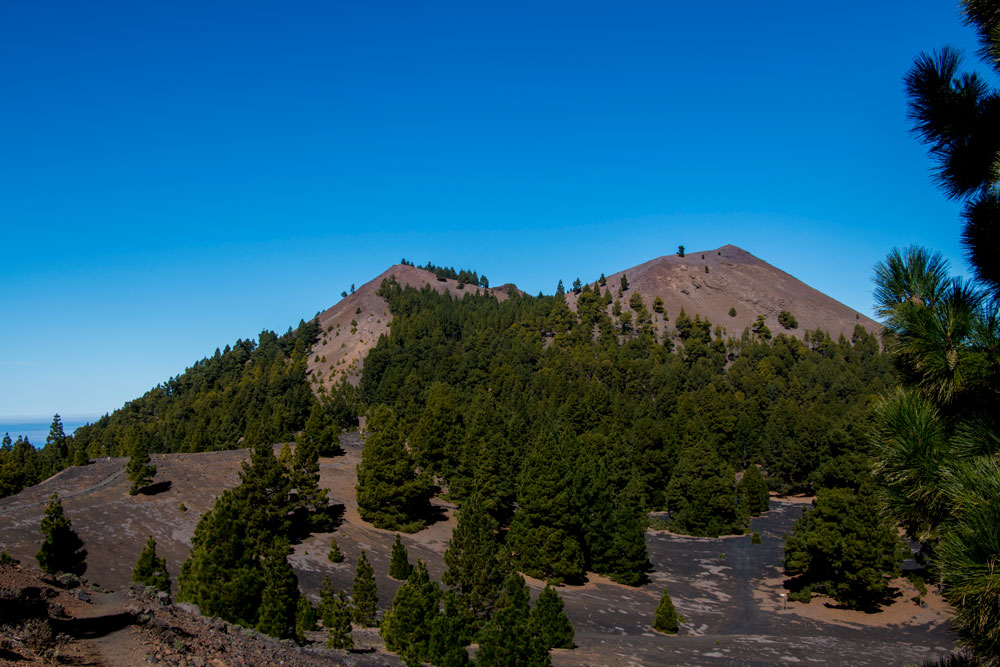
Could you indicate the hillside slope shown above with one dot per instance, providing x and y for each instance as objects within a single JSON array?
[
  {"x": 351, "y": 327},
  {"x": 735, "y": 279}
]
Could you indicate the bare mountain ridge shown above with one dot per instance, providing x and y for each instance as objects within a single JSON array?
[{"x": 735, "y": 279}]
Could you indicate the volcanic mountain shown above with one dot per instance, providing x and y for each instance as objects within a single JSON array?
[{"x": 712, "y": 284}]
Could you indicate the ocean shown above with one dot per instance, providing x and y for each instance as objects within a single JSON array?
[{"x": 37, "y": 431}]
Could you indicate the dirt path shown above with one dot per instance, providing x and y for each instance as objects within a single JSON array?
[{"x": 76, "y": 494}]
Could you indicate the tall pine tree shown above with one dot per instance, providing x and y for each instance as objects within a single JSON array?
[{"x": 545, "y": 533}]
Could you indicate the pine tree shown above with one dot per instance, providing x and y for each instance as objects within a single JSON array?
[
  {"x": 666, "y": 616},
  {"x": 139, "y": 470},
  {"x": 507, "y": 639},
  {"x": 305, "y": 619},
  {"x": 407, "y": 626},
  {"x": 62, "y": 549},
  {"x": 56, "y": 444},
  {"x": 391, "y": 495},
  {"x": 701, "y": 495},
  {"x": 626, "y": 560},
  {"x": 844, "y": 547},
  {"x": 80, "y": 457},
  {"x": 474, "y": 567},
  {"x": 753, "y": 493},
  {"x": 335, "y": 555},
  {"x": 337, "y": 621},
  {"x": 364, "y": 592},
  {"x": 223, "y": 575},
  {"x": 624, "y": 284},
  {"x": 399, "y": 564},
  {"x": 546, "y": 528},
  {"x": 280, "y": 595},
  {"x": 321, "y": 432},
  {"x": 437, "y": 438},
  {"x": 549, "y": 621},
  {"x": 150, "y": 570}
]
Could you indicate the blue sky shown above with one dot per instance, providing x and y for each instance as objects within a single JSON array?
[{"x": 174, "y": 176}]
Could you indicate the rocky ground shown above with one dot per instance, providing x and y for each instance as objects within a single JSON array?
[
  {"x": 727, "y": 589},
  {"x": 76, "y": 622}
]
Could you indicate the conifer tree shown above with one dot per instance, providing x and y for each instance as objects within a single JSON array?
[
  {"x": 62, "y": 549},
  {"x": 474, "y": 567},
  {"x": 666, "y": 616},
  {"x": 844, "y": 547},
  {"x": 305, "y": 619},
  {"x": 407, "y": 626},
  {"x": 399, "y": 564},
  {"x": 364, "y": 592},
  {"x": 451, "y": 632},
  {"x": 327, "y": 591},
  {"x": 549, "y": 621},
  {"x": 223, "y": 575},
  {"x": 139, "y": 470},
  {"x": 626, "y": 560},
  {"x": 624, "y": 284},
  {"x": 546, "y": 528},
  {"x": 391, "y": 494},
  {"x": 56, "y": 443},
  {"x": 264, "y": 491},
  {"x": 507, "y": 639},
  {"x": 753, "y": 491},
  {"x": 437, "y": 438},
  {"x": 80, "y": 457},
  {"x": 280, "y": 594},
  {"x": 701, "y": 495},
  {"x": 150, "y": 570},
  {"x": 335, "y": 555},
  {"x": 321, "y": 432},
  {"x": 337, "y": 621}
]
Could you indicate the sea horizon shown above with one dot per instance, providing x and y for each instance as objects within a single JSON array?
[{"x": 36, "y": 429}]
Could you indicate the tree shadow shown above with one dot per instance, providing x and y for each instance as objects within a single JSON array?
[
  {"x": 154, "y": 489},
  {"x": 92, "y": 628},
  {"x": 326, "y": 520},
  {"x": 430, "y": 515}
]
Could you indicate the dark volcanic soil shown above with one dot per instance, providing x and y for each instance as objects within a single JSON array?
[{"x": 726, "y": 588}]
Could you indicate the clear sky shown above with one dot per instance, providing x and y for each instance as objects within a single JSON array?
[{"x": 177, "y": 175}]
